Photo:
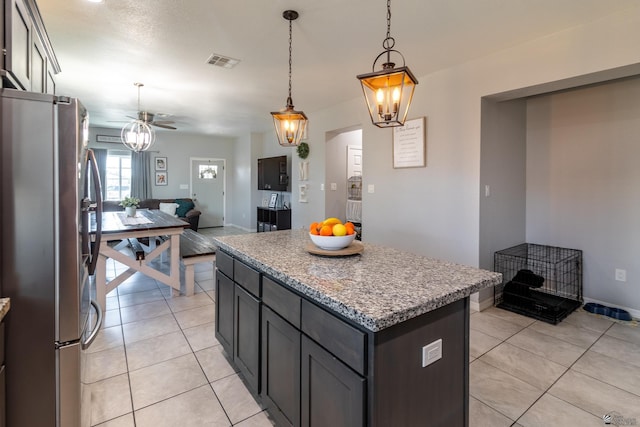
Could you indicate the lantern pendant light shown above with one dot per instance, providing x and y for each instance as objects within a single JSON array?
[
  {"x": 289, "y": 123},
  {"x": 388, "y": 92},
  {"x": 138, "y": 135}
]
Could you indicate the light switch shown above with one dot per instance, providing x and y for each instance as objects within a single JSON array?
[
  {"x": 184, "y": 186},
  {"x": 321, "y": 187},
  {"x": 334, "y": 186},
  {"x": 371, "y": 188}
]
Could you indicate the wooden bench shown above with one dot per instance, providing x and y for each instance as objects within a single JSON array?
[{"x": 194, "y": 248}]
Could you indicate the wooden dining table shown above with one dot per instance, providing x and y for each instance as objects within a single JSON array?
[{"x": 147, "y": 223}]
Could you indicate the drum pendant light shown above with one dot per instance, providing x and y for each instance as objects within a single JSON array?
[
  {"x": 137, "y": 135},
  {"x": 289, "y": 123},
  {"x": 388, "y": 92}
]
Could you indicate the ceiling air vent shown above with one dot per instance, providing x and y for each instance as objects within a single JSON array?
[{"x": 222, "y": 61}]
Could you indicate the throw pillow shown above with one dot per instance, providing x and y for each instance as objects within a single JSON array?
[
  {"x": 169, "y": 208},
  {"x": 184, "y": 206}
]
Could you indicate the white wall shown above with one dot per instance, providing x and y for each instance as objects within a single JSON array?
[
  {"x": 435, "y": 210},
  {"x": 178, "y": 147},
  {"x": 583, "y": 148}
]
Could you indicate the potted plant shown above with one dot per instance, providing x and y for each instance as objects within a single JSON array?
[{"x": 130, "y": 204}]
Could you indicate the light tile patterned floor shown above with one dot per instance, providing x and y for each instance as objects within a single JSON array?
[{"x": 157, "y": 363}]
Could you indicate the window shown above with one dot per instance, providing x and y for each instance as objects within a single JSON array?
[{"x": 118, "y": 185}]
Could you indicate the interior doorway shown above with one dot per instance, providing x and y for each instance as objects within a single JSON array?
[
  {"x": 208, "y": 190},
  {"x": 343, "y": 161}
]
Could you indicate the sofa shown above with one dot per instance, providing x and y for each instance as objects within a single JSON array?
[{"x": 185, "y": 210}]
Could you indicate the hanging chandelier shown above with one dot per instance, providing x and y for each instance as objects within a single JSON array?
[
  {"x": 388, "y": 92},
  {"x": 137, "y": 135},
  {"x": 289, "y": 123}
]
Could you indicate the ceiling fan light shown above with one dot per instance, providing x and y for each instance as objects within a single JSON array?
[{"x": 137, "y": 136}]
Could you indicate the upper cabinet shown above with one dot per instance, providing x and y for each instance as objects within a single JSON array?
[{"x": 29, "y": 60}]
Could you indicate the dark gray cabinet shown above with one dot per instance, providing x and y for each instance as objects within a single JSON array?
[
  {"x": 3, "y": 396},
  {"x": 331, "y": 393},
  {"x": 29, "y": 62},
  {"x": 318, "y": 369},
  {"x": 246, "y": 336},
  {"x": 224, "y": 311},
  {"x": 238, "y": 316},
  {"x": 270, "y": 219},
  {"x": 280, "y": 368}
]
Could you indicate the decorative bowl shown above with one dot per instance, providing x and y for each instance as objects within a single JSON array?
[{"x": 332, "y": 243}]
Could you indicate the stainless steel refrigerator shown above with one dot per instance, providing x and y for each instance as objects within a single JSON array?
[{"x": 47, "y": 258}]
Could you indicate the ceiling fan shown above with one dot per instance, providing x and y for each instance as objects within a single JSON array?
[{"x": 149, "y": 118}]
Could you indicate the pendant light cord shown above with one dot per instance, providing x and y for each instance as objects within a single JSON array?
[
  {"x": 389, "y": 41},
  {"x": 289, "y": 101}
]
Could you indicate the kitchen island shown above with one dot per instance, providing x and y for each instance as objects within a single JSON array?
[{"x": 352, "y": 341}]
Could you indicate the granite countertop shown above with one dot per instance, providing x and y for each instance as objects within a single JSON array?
[
  {"x": 4, "y": 307},
  {"x": 378, "y": 288}
]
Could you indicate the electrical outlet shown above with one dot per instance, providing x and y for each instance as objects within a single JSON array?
[
  {"x": 334, "y": 186},
  {"x": 431, "y": 352},
  {"x": 371, "y": 188},
  {"x": 487, "y": 190},
  {"x": 321, "y": 187},
  {"x": 621, "y": 275}
]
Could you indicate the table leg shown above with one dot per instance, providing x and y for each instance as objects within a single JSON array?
[
  {"x": 175, "y": 264},
  {"x": 101, "y": 280}
]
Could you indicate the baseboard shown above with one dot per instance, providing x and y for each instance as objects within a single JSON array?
[
  {"x": 248, "y": 230},
  {"x": 481, "y": 305},
  {"x": 634, "y": 313}
]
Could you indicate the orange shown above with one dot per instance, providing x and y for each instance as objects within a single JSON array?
[
  {"x": 326, "y": 230},
  {"x": 313, "y": 227},
  {"x": 349, "y": 225},
  {"x": 350, "y": 231}
]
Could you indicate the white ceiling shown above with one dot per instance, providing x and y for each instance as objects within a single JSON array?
[{"x": 104, "y": 48}]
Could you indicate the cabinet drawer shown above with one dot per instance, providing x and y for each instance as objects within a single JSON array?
[
  {"x": 224, "y": 263},
  {"x": 282, "y": 301},
  {"x": 344, "y": 341},
  {"x": 246, "y": 277}
]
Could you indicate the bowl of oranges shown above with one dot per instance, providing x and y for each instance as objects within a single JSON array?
[{"x": 331, "y": 234}]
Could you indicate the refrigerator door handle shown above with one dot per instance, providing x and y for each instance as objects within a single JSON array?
[
  {"x": 86, "y": 343},
  {"x": 95, "y": 179}
]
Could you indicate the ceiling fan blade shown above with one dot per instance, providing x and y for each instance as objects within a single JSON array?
[
  {"x": 160, "y": 125},
  {"x": 163, "y": 122}
]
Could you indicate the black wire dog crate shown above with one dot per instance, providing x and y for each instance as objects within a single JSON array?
[{"x": 543, "y": 282}]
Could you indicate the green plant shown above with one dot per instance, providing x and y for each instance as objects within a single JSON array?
[
  {"x": 303, "y": 150},
  {"x": 129, "y": 202}
]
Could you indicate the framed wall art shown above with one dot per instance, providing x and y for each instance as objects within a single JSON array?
[
  {"x": 161, "y": 178},
  {"x": 161, "y": 163},
  {"x": 410, "y": 144},
  {"x": 274, "y": 200}
]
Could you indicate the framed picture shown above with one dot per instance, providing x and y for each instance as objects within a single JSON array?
[
  {"x": 108, "y": 138},
  {"x": 274, "y": 200},
  {"x": 161, "y": 178},
  {"x": 161, "y": 163},
  {"x": 410, "y": 145}
]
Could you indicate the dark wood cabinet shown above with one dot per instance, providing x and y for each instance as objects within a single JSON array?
[
  {"x": 318, "y": 369},
  {"x": 224, "y": 311},
  {"x": 3, "y": 392},
  {"x": 246, "y": 336},
  {"x": 270, "y": 219},
  {"x": 331, "y": 393},
  {"x": 280, "y": 368},
  {"x": 29, "y": 62},
  {"x": 238, "y": 314}
]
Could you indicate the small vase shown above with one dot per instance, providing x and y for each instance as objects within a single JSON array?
[{"x": 130, "y": 210}]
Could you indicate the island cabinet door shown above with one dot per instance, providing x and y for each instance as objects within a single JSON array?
[
  {"x": 224, "y": 311},
  {"x": 332, "y": 394},
  {"x": 280, "y": 369},
  {"x": 246, "y": 336}
]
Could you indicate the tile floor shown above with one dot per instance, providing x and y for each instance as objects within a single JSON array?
[{"x": 157, "y": 363}]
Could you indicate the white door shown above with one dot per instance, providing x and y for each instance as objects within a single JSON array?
[
  {"x": 208, "y": 190},
  {"x": 354, "y": 161}
]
